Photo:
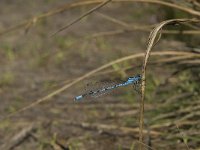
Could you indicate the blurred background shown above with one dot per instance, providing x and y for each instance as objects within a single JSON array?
[{"x": 37, "y": 72}]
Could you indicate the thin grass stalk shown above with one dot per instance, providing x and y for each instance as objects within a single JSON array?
[
  {"x": 77, "y": 80},
  {"x": 80, "y": 3},
  {"x": 151, "y": 43}
]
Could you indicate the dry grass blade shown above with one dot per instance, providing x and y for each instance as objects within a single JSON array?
[
  {"x": 145, "y": 28},
  {"x": 66, "y": 86},
  {"x": 81, "y": 17},
  {"x": 109, "y": 128},
  {"x": 178, "y": 7},
  {"x": 80, "y": 3},
  {"x": 51, "y": 12},
  {"x": 152, "y": 40},
  {"x": 135, "y": 28},
  {"x": 190, "y": 62},
  {"x": 117, "y": 21},
  {"x": 19, "y": 138}
]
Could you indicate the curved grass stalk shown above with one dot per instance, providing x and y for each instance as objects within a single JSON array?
[
  {"x": 80, "y": 3},
  {"x": 110, "y": 64},
  {"x": 151, "y": 43}
]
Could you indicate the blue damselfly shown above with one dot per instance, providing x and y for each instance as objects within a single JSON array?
[{"x": 135, "y": 81}]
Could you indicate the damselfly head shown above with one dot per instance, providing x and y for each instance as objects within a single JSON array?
[{"x": 137, "y": 77}]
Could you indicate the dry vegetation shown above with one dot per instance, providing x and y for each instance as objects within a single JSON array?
[{"x": 50, "y": 48}]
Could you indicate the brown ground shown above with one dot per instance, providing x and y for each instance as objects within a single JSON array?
[{"x": 34, "y": 65}]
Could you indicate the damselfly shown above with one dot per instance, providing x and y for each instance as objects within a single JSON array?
[{"x": 135, "y": 80}]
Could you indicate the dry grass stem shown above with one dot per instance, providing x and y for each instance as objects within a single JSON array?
[
  {"x": 66, "y": 86},
  {"x": 82, "y": 16},
  {"x": 109, "y": 128},
  {"x": 152, "y": 40},
  {"x": 80, "y": 3}
]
